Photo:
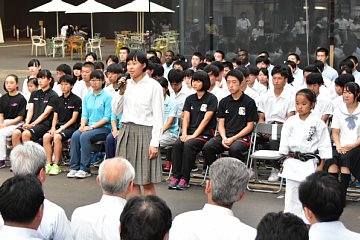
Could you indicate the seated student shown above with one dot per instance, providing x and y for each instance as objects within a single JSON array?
[
  {"x": 302, "y": 133},
  {"x": 227, "y": 67},
  {"x": 77, "y": 71},
  {"x": 32, "y": 86},
  {"x": 263, "y": 77},
  {"x": 253, "y": 84},
  {"x": 323, "y": 203},
  {"x": 340, "y": 82},
  {"x": 236, "y": 116},
  {"x": 188, "y": 74},
  {"x": 83, "y": 87},
  {"x": 34, "y": 68},
  {"x": 180, "y": 92},
  {"x": 264, "y": 62},
  {"x": 323, "y": 107},
  {"x": 111, "y": 138},
  {"x": 276, "y": 106},
  {"x": 281, "y": 226},
  {"x": 198, "y": 126},
  {"x": 148, "y": 213},
  {"x": 170, "y": 131},
  {"x": 113, "y": 73},
  {"x": 297, "y": 83},
  {"x": 345, "y": 128},
  {"x": 213, "y": 72},
  {"x": 94, "y": 126},
  {"x": 248, "y": 91},
  {"x": 111, "y": 59},
  {"x": 65, "y": 122},
  {"x": 12, "y": 112},
  {"x": 61, "y": 70},
  {"x": 220, "y": 80},
  {"x": 91, "y": 57},
  {"x": 99, "y": 66},
  {"x": 329, "y": 84},
  {"x": 208, "y": 59},
  {"x": 196, "y": 59},
  {"x": 40, "y": 113},
  {"x": 181, "y": 65}
]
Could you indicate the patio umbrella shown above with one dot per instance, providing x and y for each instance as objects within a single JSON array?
[
  {"x": 90, "y": 6},
  {"x": 54, "y": 6},
  {"x": 140, "y": 7}
]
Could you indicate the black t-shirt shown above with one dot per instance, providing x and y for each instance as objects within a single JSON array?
[
  {"x": 13, "y": 106},
  {"x": 65, "y": 108},
  {"x": 197, "y": 108},
  {"x": 237, "y": 113},
  {"x": 41, "y": 100}
]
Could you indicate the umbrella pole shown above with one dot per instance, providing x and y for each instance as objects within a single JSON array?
[
  {"x": 92, "y": 26},
  {"x": 57, "y": 24}
]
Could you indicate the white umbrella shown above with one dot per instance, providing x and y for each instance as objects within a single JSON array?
[
  {"x": 90, "y": 6},
  {"x": 142, "y": 6},
  {"x": 54, "y": 6}
]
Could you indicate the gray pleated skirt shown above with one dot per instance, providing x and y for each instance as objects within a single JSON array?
[{"x": 133, "y": 144}]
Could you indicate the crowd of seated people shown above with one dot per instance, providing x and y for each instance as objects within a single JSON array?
[{"x": 141, "y": 104}]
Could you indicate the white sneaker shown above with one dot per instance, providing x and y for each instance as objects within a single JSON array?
[
  {"x": 71, "y": 174},
  {"x": 82, "y": 174},
  {"x": 274, "y": 175}
]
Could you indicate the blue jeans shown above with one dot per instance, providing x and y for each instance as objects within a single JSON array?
[
  {"x": 80, "y": 147},
  {"x": 110, "y": 146}
]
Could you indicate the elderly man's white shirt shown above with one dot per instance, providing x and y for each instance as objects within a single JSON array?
[
  {"x": 331, "y": 231},
  {"x": 17, "y": 233},
  {"x": 54, "y": 224},
  {"x": 100, "y": 220},
  {"x": 212, "y": 223}
]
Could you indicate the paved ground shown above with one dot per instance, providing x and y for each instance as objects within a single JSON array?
[{"x": 72, "y": 193}]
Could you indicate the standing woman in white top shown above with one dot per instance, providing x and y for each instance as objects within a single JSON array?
[
  {"x": 141, "y": 102},
  {"x": 346, "y": 136},
  {"x": 302, "y": 133},
  {"x": 34, "y": 68}
]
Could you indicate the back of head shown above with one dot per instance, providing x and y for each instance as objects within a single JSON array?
[
  {"x": 322, "y": 194},
  {"x": 115, "y": 68},
  {"x": 228, "y": 177},
  {"x": 145, "y": 218},
  {"x": 20, "y": 199},
  {"x": 28, "y": 158},
  {"x": 311, "y": 68},
  {"x": 281, "y": 226},
  {"x": 176, "y": 76},
  {"x": 158, "y": 70},
  {"x": 212, "y": 69},
  {"x": 64, "y": 68},
  {"x": 219, "y": 65},
  {"x": 315, "y": 78},
  {"x": 342, "y": 79},
  {"x": 115, "y": 175}
]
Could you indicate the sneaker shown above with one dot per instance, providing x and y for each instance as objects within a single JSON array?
[
  {"x": 55, "y": 170},
  {"x": 173, "y": 183},
  {"x": 274, "y": 175},
  {"x": 48, "y": 168},
  {"x": 82, "y": 174},
  {"x": 183, "y": 185},
  {"x": 71, "y": 174},
  {"x": 195, "y": 168},
  {"x": 2, "y": 164},
  {"x": 167, "y": 167}
]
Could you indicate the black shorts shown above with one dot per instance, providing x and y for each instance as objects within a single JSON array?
[
  {"x": 67, "y": 133},
  {"x": 37, "y": 131}
]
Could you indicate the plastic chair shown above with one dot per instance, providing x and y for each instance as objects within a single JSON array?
[
  {"x": 274, "y": 130},
  {"x": 58, "y": 43},
  {"x": 94, "y": 44},
  {"x": 37, "y": 41},
  {"x": 76, "y": 44}
]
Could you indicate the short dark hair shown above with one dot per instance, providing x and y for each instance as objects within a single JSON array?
[
  {"x": 219, "y": 65},
  {"x": 91, "y": 54},
  {"x": 34, "y": 62},
  {"x": 146, "y": 218},
  {"x": 281, "y": 69},
  {"x": 182, "y": 63},
  {"x": 353, "y": 87},
  {"x": 158, "y": 70},
  {"x": 342, "y": 79},
  {"x": 310, "y": 95},
  {"x": 20, "y": 198},
  {"x": 64, "y": 68},
  {"x": 125, "y": 48},
  {"x": 311, "y": 68},
  {"x": 347, "y": 63},
  {"x": 281, "y": 226},
  {"x": 243, "y": 70},
  {"x": 164, "y": 84},
  {"x": 176, "y": 76},
  {"x": 324, "y": 50},
  {"x": 221, "y": 52},
  {"x": 97, "y": 74},
  {"x": 320, "y": 65},
  {"x": 154, "y": 59},
  {"x": 295, "y": 55},
  {"x": 16, "y": 80},
  {"x": 291, "y": 63},
  {"x": 67, "y": 78},
  {"x": 235, "y": 73},
  {"x": 138, "y": 56},
  {"x": 353, "y": 58},
  {"x": 264, "y": 71},
  {"x": 209, "y": 58},
  {"x": 263, "y": 59},
  {"x": 77, "y": 66},
  {"x": 315, "y": 78},
  {"x": 322, "y": 194},
  {"x": 228, "y": 64},
  {"x": 201, "y": 66},
  {"x": 198, "y": 54},
  {"x": 47, "y": 74},
  {"x": 202, "y": 76},
  {"x": 33, "y": 81},
  {"x": 88, "y": 65},
  {"x": 99, "y": 65},
  {"x": 253, "y": 70},
  {"x": 189, "y": 73},
  {"x": 113, "y": 58},
  {"x": 213, "y": 69},
  {"x": 115, "y": 68}
]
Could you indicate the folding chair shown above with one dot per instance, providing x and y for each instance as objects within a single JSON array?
[{"x": 274, "y": 130}]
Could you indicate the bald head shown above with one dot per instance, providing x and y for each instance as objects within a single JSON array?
[{"x": 115, "y": 175}]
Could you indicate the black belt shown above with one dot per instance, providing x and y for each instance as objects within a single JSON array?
[{"x": 304, "y": 156}]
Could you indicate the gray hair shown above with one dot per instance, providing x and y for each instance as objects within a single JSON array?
[
  {"x": 115, "y": 175},
  {"x": 228, "y": 177},
  {"x": 28, "y": 158}
]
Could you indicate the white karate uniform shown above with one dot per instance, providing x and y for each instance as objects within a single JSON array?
[{"x": 305, "y": 136}]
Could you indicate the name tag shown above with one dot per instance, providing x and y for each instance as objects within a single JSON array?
[
  {"x": 71, "y": 107},
  {"x": 13, "y": 105},
  {"x": 203, "y": 107},
  {"x": 242, "y": 111}
]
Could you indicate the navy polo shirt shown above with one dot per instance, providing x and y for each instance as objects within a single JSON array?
[
  {"x": 13, "y": 106},
  {"x": 41, "y": 100},
  {"x": 197, "y": 108},
  {"x": 65, "y": 108},
  {"x": 237, "y": 113}
]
